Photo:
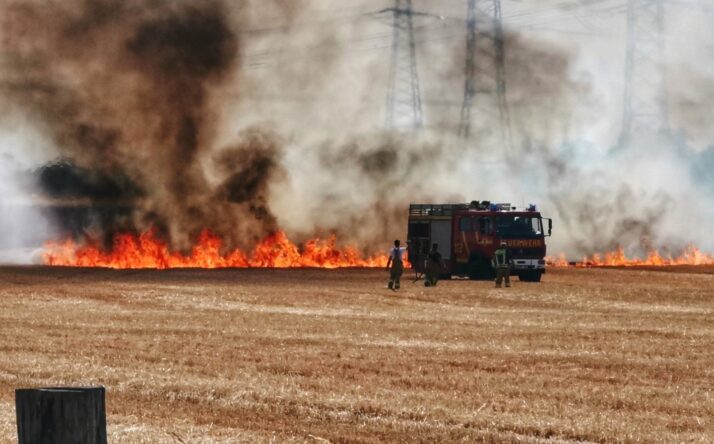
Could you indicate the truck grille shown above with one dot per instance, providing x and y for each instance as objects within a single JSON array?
[{"x": 528, "y": 253}]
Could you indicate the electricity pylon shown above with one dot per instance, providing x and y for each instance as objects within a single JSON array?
[
  {"x": 485, "y": 70},
  {"x": 645, "y": 101},
  {"x": 404, "y": 93}
]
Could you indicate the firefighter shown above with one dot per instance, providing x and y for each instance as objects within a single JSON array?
[
  {"x": 502, "y": 264},
  {"x": 395, "y": 266},
  {"x": 434, "y": 264}
]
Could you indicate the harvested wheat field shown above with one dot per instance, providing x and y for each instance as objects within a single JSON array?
[{"x": 597, "y": 355}]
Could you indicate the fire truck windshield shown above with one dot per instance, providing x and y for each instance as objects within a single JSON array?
[{"x": 510, "y": 227}]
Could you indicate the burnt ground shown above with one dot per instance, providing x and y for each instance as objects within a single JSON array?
[{"x": 601, "y": 355}]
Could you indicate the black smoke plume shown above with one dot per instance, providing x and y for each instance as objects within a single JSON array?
[{"x": 128, "y": 92}]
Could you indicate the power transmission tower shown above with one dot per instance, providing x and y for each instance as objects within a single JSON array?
[
  {"x": 645, "y": 101},
  {"x": 404, "y": 94},
  {"x": 485, "y": 70}
]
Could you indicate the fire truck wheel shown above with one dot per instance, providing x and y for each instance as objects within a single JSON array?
[{"x": 530, "y": 276}]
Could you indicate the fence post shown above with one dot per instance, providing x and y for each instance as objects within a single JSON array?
[{"x": 61, "y": 416}]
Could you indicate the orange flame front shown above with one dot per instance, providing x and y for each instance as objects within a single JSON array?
[
  {"x": 557, "y": 261},
  {"x": 148, "y": 251},
  {"x": 690, "y": 256}
]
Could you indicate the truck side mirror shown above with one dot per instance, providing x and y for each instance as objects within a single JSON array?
[{"x": 550, "y": 227}]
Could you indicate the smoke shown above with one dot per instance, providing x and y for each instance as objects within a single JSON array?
[
  {"x": 23, "y": 224},
  {"x": 368, "y": 177},
  {"x": 653, "y": 192},
  {"x": 126, "y": 91},
  {"x": 624, "y": 198},
  {"x": 250, "y": 116}
]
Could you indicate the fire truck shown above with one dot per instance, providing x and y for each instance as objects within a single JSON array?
[{"x": 469, "y": 234}]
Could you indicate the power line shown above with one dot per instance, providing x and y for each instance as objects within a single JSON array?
[
  {"x": 322, "y": 50},
  {"x": 291, "y": 25}
]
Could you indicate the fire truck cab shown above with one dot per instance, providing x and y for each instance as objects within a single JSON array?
[{"x": 469, "y": 234}]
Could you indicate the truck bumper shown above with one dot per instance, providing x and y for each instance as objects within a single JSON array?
[{"x": 528, "y": 264}]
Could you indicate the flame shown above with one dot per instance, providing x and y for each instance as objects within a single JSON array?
[
  {"x": 690, "y": 256},
  {"x": 146, "y": 250},
  {"x": 557, "y": 261}
]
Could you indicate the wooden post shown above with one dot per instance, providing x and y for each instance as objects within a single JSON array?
[{"x": 61, "y": 416}]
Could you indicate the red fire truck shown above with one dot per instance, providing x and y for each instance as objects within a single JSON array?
[{"x": 469, "y": 234}]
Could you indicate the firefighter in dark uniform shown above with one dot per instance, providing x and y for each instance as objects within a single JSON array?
[
  {"x": 395, "y": 266},
  {"x": 502, "y": 264},
  {"x": 434, "y": 264}
]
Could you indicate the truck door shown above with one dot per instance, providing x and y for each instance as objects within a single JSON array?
[
  {"x": 419, "y": 237},
  {"x": 441, "y": 234},
  {"x": 481, "y": 252}
]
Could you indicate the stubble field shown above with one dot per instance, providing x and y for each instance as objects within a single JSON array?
[{"x": 315, "y": 356}]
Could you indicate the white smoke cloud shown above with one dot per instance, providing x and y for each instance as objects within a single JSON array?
[
  {"x": 566, "y": 98},
  {"x": 23, "y": 225}
]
